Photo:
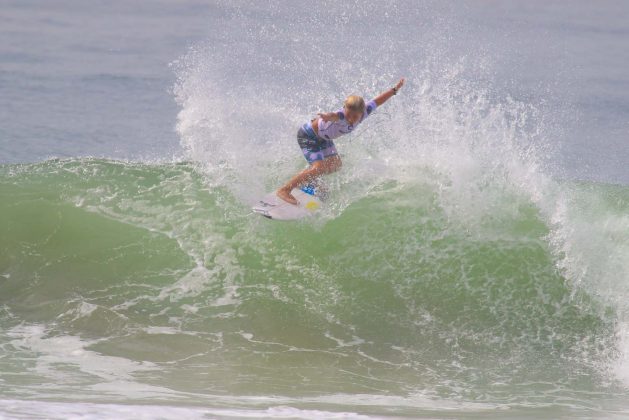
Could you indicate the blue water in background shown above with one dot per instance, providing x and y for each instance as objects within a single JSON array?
[{"x": 93, "y": 78}]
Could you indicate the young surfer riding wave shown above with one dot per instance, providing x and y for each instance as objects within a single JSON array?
[{"x": 316, "y": 138}]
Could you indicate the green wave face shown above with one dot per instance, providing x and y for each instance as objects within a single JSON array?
[{"x": 117, "y": 272}]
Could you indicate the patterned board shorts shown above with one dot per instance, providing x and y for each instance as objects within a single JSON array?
[{"x": 315, "y": 148}]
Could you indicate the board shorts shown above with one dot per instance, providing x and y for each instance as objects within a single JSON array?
[{"x": 313, "y": 147}]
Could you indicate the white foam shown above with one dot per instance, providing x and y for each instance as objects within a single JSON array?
[
  {"x": 57, "y": 352},
  {"x": 92, "y": 411}
]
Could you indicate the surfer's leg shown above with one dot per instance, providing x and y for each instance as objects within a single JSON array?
[
  {"x": 327, "y": 165},
  {"x": 332, "y": 163},
  {"x": 308, "y": 174},
  {"x": 322, "y": 157}
]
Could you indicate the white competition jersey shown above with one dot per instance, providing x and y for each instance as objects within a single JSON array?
[{"x": 330, "y": 130}]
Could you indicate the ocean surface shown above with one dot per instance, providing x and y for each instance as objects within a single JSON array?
[{"x": 472, "y": 260}]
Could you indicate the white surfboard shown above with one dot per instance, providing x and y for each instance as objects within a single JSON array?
[{"x": 273, "y": 207}]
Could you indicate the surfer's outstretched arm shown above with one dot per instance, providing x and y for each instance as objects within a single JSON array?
[{"x": 386, "y": 95}]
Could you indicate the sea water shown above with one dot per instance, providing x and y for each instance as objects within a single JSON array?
[{"x": 472, "y": 260}]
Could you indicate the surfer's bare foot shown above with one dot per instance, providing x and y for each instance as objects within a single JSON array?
[{"x": 285, "y": 195}]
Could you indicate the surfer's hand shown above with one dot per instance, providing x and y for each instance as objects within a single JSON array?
[
  {"x": 387, "y": 94},
  {"x": 328, "y": 116},
  {"x": 399, "y": 84}
]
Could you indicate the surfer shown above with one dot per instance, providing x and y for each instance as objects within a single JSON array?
[{"x": 316, "y": 138}]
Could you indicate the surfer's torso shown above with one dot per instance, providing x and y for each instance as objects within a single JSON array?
[{"x": 329, "y": 130}]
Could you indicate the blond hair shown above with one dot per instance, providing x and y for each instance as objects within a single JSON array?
[{"x": 355, "y": 103}]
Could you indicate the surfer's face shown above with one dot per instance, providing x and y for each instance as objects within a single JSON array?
[{"x": 352, "y": 116}]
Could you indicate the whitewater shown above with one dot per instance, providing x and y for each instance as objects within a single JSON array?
[{"x": 472, "y": 260}]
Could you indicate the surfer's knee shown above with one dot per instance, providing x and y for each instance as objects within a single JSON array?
[
  {"x": 326, "y": 166},
  {"x": 334, "y": 163},
  {"x": 318, "y": 167}
]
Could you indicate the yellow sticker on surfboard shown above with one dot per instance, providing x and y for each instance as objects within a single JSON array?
[{"x": 312, "y": 205}]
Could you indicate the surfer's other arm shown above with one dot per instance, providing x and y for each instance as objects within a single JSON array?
[
  {"x": 386, "y": 95},
  {"x": 380, "y": 99},
  {"x": 329, "y": 116}
]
